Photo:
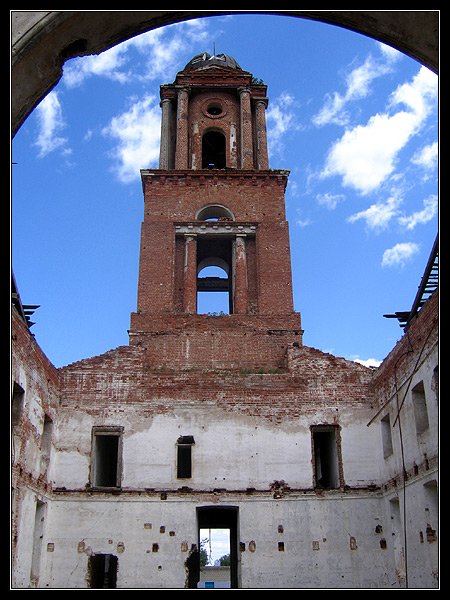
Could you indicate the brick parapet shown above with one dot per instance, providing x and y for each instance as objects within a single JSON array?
[{"x": 312, "y": 381}]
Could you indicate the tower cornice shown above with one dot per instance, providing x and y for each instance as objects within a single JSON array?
[{"x": 199, "y": 176}]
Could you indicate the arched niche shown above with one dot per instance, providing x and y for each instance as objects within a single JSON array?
[{"x": 214, "y": 211}]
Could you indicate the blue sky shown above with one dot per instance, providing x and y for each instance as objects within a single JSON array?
[{"x": 354, "y": 121}]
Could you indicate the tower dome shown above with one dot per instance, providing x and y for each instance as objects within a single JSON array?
[{"x": 205, "y": 60}]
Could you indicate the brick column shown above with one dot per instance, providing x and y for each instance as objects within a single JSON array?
[
  {"x": 181, "y": 151},
  {"x": 246, "y": 129},
  {"x": 190, "y": 274},
  {"x": 262, "y": 158},
  {"x": 164, "y": 150},
  {"x": 240, "y": 301}
]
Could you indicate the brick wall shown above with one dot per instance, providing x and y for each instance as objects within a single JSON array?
[
  {"x": 173, "y": 196},
  {"x": 229, "y": 342},
  {"x": 227, "y": 122},
  {"x": 410, "y": 352},
  {"x": 39, "y": 379}
]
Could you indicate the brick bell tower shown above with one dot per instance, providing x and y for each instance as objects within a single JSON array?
[{"x": 213, "y": 201}]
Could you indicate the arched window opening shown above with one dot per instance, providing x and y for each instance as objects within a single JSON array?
[{"x": 213, "y": 150}]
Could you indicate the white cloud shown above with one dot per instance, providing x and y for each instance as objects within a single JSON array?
[
  {"x": 378, "y": 216},
  {"x": 370, "y": 362},
  {"x": 363, "y": 157},
  {"x": 358, "y": 82},
  {"x": 366, "y": 155},
  {"x": 50, "y": 122},
  {"x": 328, "y": 200},
  {"x": 426, "y": 157},
  {"x": 399, "y": 254},
  {"x": 161, "y": 51},
  {"x": 303, "y": 222},
  {"x": 138, "y": 133},
  {"x": 430, "y": 207},
  {"x": 419, "y": 95},
  {"x": 280, "y": 120},
  {"x": 390, "y": 53}
]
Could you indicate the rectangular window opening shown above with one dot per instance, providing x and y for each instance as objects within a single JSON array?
[
  {"x": 106, "y": 460},
  {"x": 46, "y": 443},
  {"x": 386, "y": 436},
  {"x": 17, "y": 405},
  {"x": 325, "y": 457},
  {"x": 184, "y": 456},
  {"x": 420, "y": 407}
]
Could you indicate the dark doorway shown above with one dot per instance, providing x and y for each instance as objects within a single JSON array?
[
  {"x": 103, "y": 571},
  {"x": 213, "y": 150}
]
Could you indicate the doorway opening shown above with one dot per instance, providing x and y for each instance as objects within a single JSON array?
[
  {"x": 38, "y": 533},
  {"x": 102, "y": 571},
  {"x": 218, "y": 544}
]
